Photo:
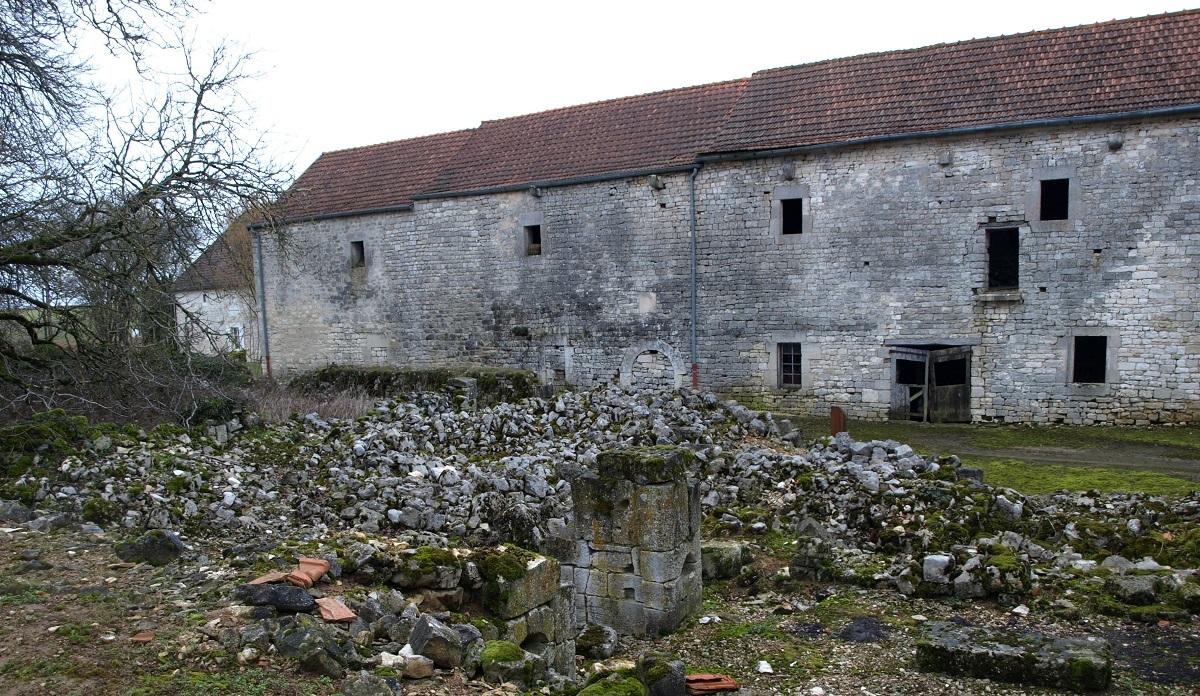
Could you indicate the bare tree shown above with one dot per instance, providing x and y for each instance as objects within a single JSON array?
[{"x": 103, "y": 201}]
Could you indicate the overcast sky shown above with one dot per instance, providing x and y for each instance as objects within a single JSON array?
[{"x": 348, "y": 73}]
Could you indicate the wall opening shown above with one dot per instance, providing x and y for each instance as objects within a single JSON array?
[
  {"x": 533, "y": 240},
  {"x": 792, "y": 214},
  {"x": 1055, "y": 196},
  {"x": 1091, "y": 360},
  {"x": 790, "y": 365},
  {"x": 950, "y": 372},
  {"x": 358, "y": 254},
  {"x": 652, "y": 370},
  {"x": 1004, "y": 259}
]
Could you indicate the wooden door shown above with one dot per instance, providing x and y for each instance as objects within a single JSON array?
[
  {"x": 950, "y": 385},
  {"x": 910, "y": 380}
]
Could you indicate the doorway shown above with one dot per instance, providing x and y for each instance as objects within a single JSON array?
[{"x": 931, "y": 383}]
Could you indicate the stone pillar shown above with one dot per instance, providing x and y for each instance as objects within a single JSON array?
[{"x": 636, "y": 565}]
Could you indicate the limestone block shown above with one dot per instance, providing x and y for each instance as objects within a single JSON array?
[
  {"x": 662, "y": 566},
  {"x": 722, "y": 559},
  {"x": 602, "y": 510},
  {"x": 626, "y": 616},
  {"x": 660, "y": 516},
  {"x": 619, "y": 560},
  {"x": 541, "y": 620},
  {"x": 509, "y": 597},
  {"x": 564, "y": 612}
]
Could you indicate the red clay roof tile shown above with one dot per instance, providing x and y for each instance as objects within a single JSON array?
[{"x": 1105, "y": 68}]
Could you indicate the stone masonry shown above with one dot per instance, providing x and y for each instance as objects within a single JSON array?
[
  {"x": 893, "y": 253},
  {"x": 633, "y": 553}
]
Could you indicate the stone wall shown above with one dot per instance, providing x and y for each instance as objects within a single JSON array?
[
  {"x": 893, "y": 252},
  {"x": 633, "y": 550}
]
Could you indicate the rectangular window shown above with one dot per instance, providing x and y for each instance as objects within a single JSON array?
[
  {"x": 789, "y": 364},
  {"x": 1055, "y": 195},
  {"x": 235, "y": 337},
  {"x": 358, "y": 254},
  {"x": 1004, "y": 259},
  {"x": 792, "y": 212},
  {"x": 533, "y": 240},
  {"x": 1091, "y": 360}
]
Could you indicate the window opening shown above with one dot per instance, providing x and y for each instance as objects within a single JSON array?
[
  {"x": 789, "y": 364},
  {"x": 1004, "y": 259},
  {"x": 1055, "y": 204},
  {"x": 792, "y": 210},
  {"x": 1091, "y": 359},
  {"x": 533, "y": 240},
  {"x": 949, "y": 373}
]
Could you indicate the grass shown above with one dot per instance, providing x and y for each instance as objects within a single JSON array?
[
  {"x": 252, "y": 682},
  {"x": 1034, "y": 478}
]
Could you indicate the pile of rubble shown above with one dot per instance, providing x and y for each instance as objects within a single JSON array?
[{"x": 384, "y": 498}]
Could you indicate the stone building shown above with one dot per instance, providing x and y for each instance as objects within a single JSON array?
[
  {"x": 1001, "y": 229},
  {"x": 215, "y": 308}
]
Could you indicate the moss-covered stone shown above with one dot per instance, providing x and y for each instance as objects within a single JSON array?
[
  {"x": 515, "y": 580},
  {"x": 642, "y": 465},
  {"x": 615, "y": 685},
  {"x": 500, "y": 651}
]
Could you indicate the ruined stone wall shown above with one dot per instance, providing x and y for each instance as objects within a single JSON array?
[{"x": 893, "y": 250}]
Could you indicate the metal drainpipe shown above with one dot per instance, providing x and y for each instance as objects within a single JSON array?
[
  {"x": 262, "y": 301},
  {"x": 695, "y": 283}
]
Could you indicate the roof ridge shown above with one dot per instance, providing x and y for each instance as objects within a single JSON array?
[
  {"x": 440, "y": 134},
  {"x": 615, "y": 100},
  {"x": 976, "y": 40}
]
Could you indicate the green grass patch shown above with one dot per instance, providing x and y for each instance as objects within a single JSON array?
[
  {"x": 767, "y": 628},
  {"x": 252, "y": 682},
  {"x": 1034, "y": 478}
]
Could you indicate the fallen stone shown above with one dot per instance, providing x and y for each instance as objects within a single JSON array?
[
  {"x": 864, "y": 629},
  {"x": 505, "y": 661},
  {"x": 1077, "y": 664},
  {"x": 364, "y": 684},
  {"x": 437, "y": 641},
  {"x": 723, "y": 559},
  {"x": 1133, "y": 589},
  {"x": 158, "y": 547},
  {"x": 288, "y": 598},
  {"x": 418, "y": 667},
  {"x": 613, "y": 684},
  {"x": 597, "y": 642}
]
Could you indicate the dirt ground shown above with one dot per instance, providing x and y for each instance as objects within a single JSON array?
[{"x": 71, "y": 609}]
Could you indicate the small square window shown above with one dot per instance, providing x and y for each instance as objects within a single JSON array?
[
  {"x": 792, "y": 212},
  {"x": 533, "y": 240},
  {"x": 1091, "y": 360},
  {"x": 1055, "y": 199},
  {"x": 789, "y": 364},
  {"x": 1004, "y": 259},
  {"x": 358, "y": 254}
]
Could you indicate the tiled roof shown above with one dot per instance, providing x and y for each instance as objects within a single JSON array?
[
  {"x": 1107, "y": 68},
  {"x": 659, "y": 130},
  {"x": 1104, "y": 68},
  {"x": 369, "y": 178},
  {"x": 224, "y": 265}
]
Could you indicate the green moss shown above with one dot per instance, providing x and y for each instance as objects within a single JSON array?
[
  {"x": 495, "y": 385},
  {"x": 659, "y": 464},
  {"x": 500, "y": 651},
  {"x": 428, "y": 558},
  {"x": 615, "y": 685},
  {"x": 504, "y": 562},
  {"x": 100, "y": 511}
]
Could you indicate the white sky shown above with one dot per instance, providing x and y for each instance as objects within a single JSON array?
[{"x": 348, "y": 73}]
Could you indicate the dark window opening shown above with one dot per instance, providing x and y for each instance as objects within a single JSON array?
[
  {"x": 358, "y": 255},
  {"x": 1091, "y": 359},
  {"x": 950, "y": 372},
  {"x": 792, "y": 212},
  {"x": 533, "y": 240},
  {"x": 910, "y": 373},
  {"x": 1004, "y": 259},
  {"x": 1054, "y": 199},
  {"x": 789, "y": 364}
]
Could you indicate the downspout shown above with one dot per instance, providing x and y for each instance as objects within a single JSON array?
[
  {"x": 695, "y": 282},
  {"x": 262, "y": 301}
]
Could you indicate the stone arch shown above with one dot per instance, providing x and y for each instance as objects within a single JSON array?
[{"x": 650, "y": 361}]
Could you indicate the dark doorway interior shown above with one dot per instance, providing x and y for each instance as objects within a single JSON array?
[{"x": 931, "y": 383}]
